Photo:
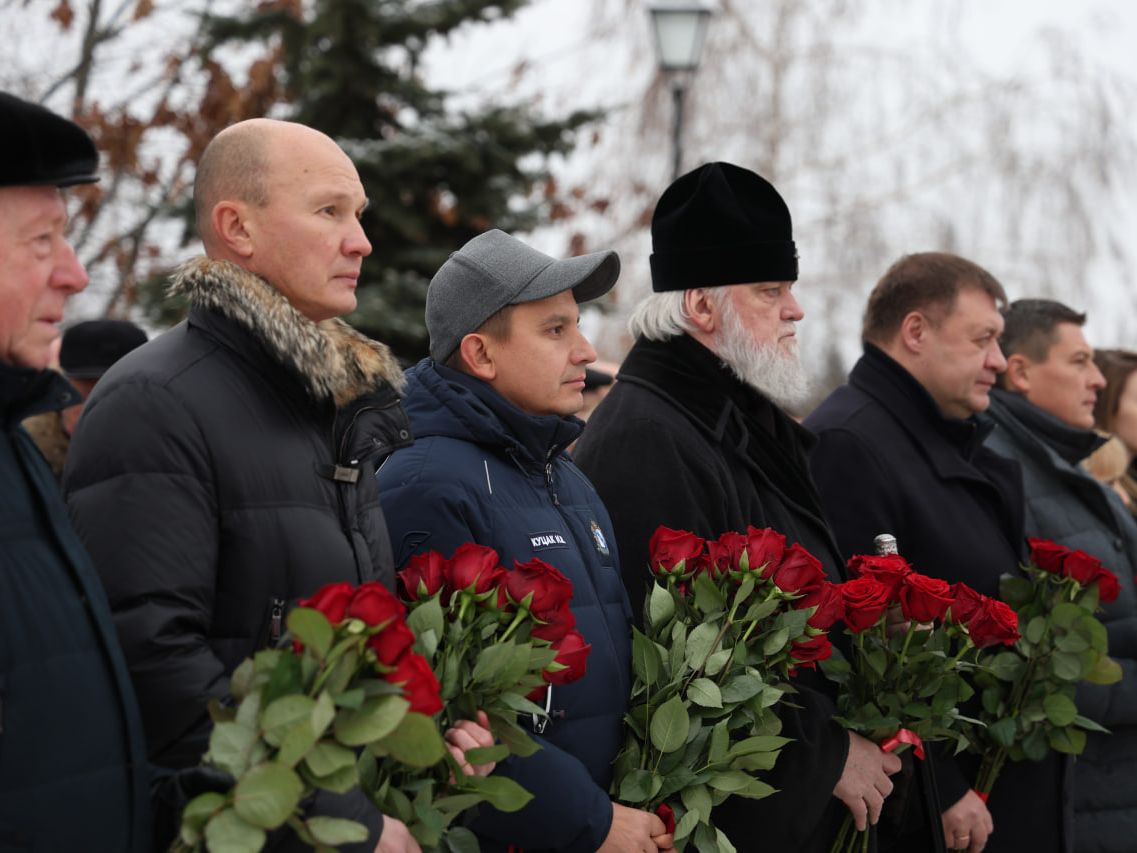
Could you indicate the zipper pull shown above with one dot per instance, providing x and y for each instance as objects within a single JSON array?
[
  {"x": 549, "y": 483},
  {"x": 277, "y": 630}
]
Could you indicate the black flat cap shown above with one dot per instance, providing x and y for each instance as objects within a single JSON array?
[
  {"x": 40, "y": 148},
  {"x": 90, "y": 347}
]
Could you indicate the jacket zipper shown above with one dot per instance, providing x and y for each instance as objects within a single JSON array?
[{"x": 276, "y": 622}]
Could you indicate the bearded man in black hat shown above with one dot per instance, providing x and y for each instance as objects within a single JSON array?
[{"x": 693, "y": 436}]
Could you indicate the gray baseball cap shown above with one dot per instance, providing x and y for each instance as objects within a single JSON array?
[{"x": 495, "y": 270}]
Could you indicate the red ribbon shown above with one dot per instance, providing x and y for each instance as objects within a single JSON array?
[
  {"x": 980, "y": 795},
  {"x": 905, "y": 736}
]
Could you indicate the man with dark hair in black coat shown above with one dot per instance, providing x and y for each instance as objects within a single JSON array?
[
  {"x": 692, "y": 436},
  {"x": 900, "y": 450}
]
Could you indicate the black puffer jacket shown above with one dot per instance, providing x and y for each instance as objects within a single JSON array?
[
  {"x": 220, "y": 472},
  {"x": 72, "y": 759},
  {"x": 1065, "y": 504}
]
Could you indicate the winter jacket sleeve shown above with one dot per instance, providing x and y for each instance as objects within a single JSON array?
[
  {"x": 569, "y": 812},
  {"x": 139, "y": 490}
]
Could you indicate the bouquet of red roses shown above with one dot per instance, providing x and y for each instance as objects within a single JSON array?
[
  {"x": 496, "y": 640},
  {"x": 726, "y": 622},
  {"x": 904, "y": 679},
  {"x": 1028, "y": 690},
  {"x": 347, "y": 681}
]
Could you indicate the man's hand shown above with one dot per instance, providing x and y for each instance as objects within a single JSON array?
[
  {"x": 468, "y": 735},
  {"x": 967, "y": 824},
  {"x": 636, "y": 831},
  {"x": 396, "y": 838},
  {"x": 864, "y": 782}
]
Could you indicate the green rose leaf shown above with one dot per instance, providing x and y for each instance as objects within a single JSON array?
[
  {"x": 227, "y": 832},
  {"x": 639, "y": 786},
  {"x": 686, "y": 824},
  {"x": 647, "y": 662},
  {"x": 730, "y": 782},
  {"x": 426, "y": 618},
  {"x": 327, "y": 757},
  {"x": 230, "y": 745},
  {"x": 415, "y": 741},
  {"x": 285, "y": 714},
  {"x": 700, "y": 643},
  {"x": 670, "y": 725},
  {"x": 335, "y": 830},
  {"x": 1003, "y": 732},
  {"x": 697, "y": 799},
  {"x": 312, "y": 628},
  {"x": 267, "y": 795},
  {"x": 242, "y": 679},
  {"x": 377, "y": 718},
  {"x": 1060, "y": 710},
  {"x": 661, "y": 606},
  {"x": 705, "y": 692},
  {"x": 197, "y": 813},
  {"x": 1105, "y": 671},
  {"x": 502, "y": 793}
]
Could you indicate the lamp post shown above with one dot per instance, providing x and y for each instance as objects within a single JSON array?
[{"x": 680, "y": 27}]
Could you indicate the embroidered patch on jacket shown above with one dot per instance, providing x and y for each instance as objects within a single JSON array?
[
  {"x": 545, "y": 541},
  {"x": 598, "y": 538}
]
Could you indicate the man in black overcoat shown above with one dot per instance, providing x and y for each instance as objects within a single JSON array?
[
  {"x": 900, "y": 450},
  {"x": 693, "y": 436}
]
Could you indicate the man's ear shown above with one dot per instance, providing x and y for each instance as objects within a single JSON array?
[
  {"x": 230, "y": 224},
  {"x": 1017, "y": 377},
  {"x": 701, "y": 308},
  {"x": 476, "y": 350},
  {"x": 913, "y": 334}
]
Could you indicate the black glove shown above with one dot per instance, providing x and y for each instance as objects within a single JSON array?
[{"x": 171, "y": 791}]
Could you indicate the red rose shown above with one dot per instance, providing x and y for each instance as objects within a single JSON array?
[
  {"x": 375, "y": 604},
  {"x": 553, "y": 624},
  {"x": 419, "y": 685},
  {"x": 1080, "y": 566},
  {"x": 472, "y": 566},
  {"x": 550, "y": 589},
  {"x": 725, "y": 553},
  {"x": 665, "y": 813},
  {"x": 423, "y": 576},
  {"x": 1047, "y": 555},
  {"x": 924, "y": 599},
  {"x": 391, "y": 641},
  {"x": 993, "y": 622},
  {"x": 889, "y": 569},
  {"x": 764, "y": 549},
  {"x": 1109, "y": 587},
  {"x": 805, "y": 652},
  {"x": 799, "y": 571},
  {"x": 965, "y": 601},
  {"x": 829, "y": 603},
  {"x": 538, "y": 694},
  {"x": 331, "y": 600},
  {"x": 865, "y": 600},
  {"x": 673, "y": 551},
  {"x": 572, "y": 651}
]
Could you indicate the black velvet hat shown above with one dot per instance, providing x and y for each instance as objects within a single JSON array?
[
  {"x": 91, "y": 347},
  {"x": 718, "y": 225},
  {"x": 40, "y": 148}
]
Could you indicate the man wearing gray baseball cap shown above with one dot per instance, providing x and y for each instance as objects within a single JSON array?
[{"x": 493, "y": 410}]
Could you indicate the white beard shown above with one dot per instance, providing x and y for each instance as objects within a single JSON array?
[{"x": 772, "y": 370}]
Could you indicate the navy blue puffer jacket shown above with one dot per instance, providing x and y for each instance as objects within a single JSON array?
[{"x": 483, "y": 471}]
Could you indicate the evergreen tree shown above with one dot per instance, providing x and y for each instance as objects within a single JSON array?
[{"x": 435, "y": 177}]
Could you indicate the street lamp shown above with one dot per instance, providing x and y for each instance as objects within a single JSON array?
[{"x": 680, "y": 27}]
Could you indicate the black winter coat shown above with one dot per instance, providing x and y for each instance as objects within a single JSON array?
[
  {"x": 483, "y": 471},
  {"x": 888, "y": 461},
  {"x": 1067, "y": 505},
  {"x": 679, "y": 442},
  {"x": 73, "y": 770},
  {"x": 220, "y": 472}
]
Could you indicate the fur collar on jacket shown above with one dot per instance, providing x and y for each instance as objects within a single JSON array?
[{"x": 331, "y": 358}]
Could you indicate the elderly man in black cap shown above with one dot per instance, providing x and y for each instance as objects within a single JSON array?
[
  {"x": 72, "y": 757},
  {"x": 693, "y": 437},
  {"x": 493, "y": 410}
]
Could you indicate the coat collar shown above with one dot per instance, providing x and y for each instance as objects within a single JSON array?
[
  {"x": 883, "y": 378},
  {"x": 331, "y": 359},
  {"x": 446, "y": 402},
  {"x": 25, "y": 391},
  {"x": 1015, "y": 412}
]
